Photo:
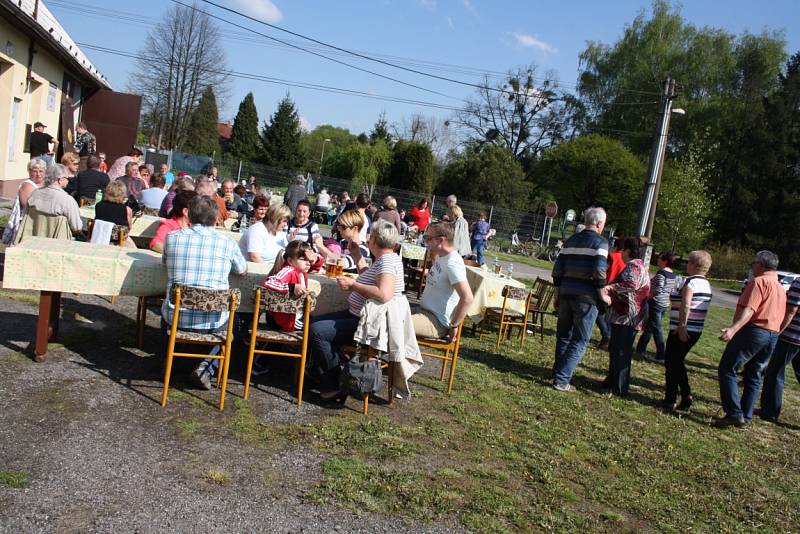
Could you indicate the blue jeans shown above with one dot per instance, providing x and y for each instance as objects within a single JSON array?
[
  {"x": 478, "y": 245},
  {"x": 775, "y": 377},
  {"x": 620, "y": 350},
  {"x": 749, "y": 349},
  {"x": 653, "y": 328},
  {"x": 602, "y": 325},
  {"x": 326, "y": 334},
  {"x": 574, "y": 329}
]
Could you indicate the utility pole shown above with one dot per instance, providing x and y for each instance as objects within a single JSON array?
[{"x": 653, "y": 183}]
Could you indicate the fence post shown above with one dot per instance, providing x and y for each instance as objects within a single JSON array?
[
  {"x": 433, "y": 203},
  {"x": 491, "y": 211},
  {"x": 239, "y": 174}
]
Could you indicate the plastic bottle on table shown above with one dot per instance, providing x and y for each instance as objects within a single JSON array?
[
  {"x": 98, "y": 196},
  {"x": 510, "y": 270},
  {"x": 496, "y": 265}
]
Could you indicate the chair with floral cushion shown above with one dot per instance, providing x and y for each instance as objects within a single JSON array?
[
  {"x": 266, "y": 300},
  {"x": 507, "y": 317},
  {"x": 205, "y": 300}
]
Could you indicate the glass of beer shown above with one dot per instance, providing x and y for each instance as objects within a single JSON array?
[
  {"x": 330, "y": 267},
  {"x": 339, "y": 267}
]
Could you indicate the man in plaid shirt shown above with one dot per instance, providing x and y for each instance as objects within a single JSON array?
[{"x": 200, "y": 256}]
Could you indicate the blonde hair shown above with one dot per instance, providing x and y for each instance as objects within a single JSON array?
[
  {"x": 277, "y": 213},
  {"x": 390, "y": 203},
  {"x": 702, "y": 259},
  {"x": 350, "y": 219},
  {"x": 69, "y": 158},
  {"x": 116, "y": 192},
  {"x": 456, "y": 212}
]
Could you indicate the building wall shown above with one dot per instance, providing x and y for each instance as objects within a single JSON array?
[{"x": 32, "y": 105}]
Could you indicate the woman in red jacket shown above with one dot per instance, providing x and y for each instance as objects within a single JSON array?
[{"x": 421, "y": 215}]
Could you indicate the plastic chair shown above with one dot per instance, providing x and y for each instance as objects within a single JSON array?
[
  {"x": 448, "y": 353},
  {"x": 508, "y": 318},
  {"x": 207, "y": 300},
  {"x": 264, "y": 301}
]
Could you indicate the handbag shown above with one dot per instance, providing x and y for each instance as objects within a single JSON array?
[{"x": 361, "y": 378}]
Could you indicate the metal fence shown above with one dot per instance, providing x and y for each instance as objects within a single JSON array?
[{"x": 532, "y": 222}]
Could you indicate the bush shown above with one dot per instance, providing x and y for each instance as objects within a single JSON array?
[{"x": 729, "y": 263}]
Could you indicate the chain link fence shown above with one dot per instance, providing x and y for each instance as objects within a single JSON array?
[{"x": 528, "y": 224}]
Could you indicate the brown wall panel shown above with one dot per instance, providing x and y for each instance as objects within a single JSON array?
[{"x": 114, "y": 119}]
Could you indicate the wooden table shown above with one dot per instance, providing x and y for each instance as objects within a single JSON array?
[
  {"x": 53, "y": 266},
  {"x": 145, "y": 226}
]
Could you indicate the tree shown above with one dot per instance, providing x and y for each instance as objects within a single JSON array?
[
  {"x": 432, "y": 131},
  {"x": 311, "y": 144},
  {"x": 244, "y": 136},
  {"x": 184, "y": 56},
  {"x": 489, "y": 174},
  {"x": 365, "y": 165},
  {"x": 685, "y": 205},
  {"x": 412, "y": 167},
  {"x": 280, "y": 139},
  {"x": 380, "y": 132},
  {"x": 594, "y": 170},
  {"x": 519, "y": 114},
  {"x": 202, "y": 136}
]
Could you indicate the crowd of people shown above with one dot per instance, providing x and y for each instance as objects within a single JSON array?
[{"x": 593, "y": 282}]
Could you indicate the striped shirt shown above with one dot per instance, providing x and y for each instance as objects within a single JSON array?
[
  {"x": 200, "y": 256},
  {"x": 661, "y": 286},
  {"x": 580, "y": 268},
  {"x": 698, "y": 307},
  {"x": 791, "y": 334},
  {"x": 306, "y": 232},
  {"x": 387, "y": 264}
]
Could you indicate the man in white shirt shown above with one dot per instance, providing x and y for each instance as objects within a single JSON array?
[{"x": 447, "y": 295}]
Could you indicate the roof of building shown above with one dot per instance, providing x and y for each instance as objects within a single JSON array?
[
  {"x": 225, "y": 129},
  {"x": 52, "y": 36}
]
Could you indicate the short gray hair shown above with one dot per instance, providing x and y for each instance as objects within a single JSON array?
[
  {"x": 594, "y": 216},
  {"x": 203, "y": 210},
  {"x": 767, "y": 259},
  {"x": 451, "y": 197},
  {"x": 206, "y": 187},
  {"x": 228, "y": 181},
  {"x": 131, "y": 164},
  {"x": 385, "y": 234},
  {"x": 54, "y": 173},
  {"x": 37, "y": 163},
  {"x": 184, "y": 183}
]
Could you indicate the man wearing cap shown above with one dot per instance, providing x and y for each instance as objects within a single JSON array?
[{"x": 40, "y": 143}]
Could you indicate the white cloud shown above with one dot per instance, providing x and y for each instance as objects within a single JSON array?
[
  {"x": 469, "y": 6},
  {"x": 261, "y": 9},
  {"x": 529, "y": 41},
  {"x": 450, "y": 23},
  {"x": 305, "y": 124}
]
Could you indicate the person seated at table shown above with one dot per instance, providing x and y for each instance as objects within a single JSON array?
[
  {"x": 113, "y": 209},
  {"x": 72, "y": 162},
  {"x": 51, "y": 199},
  {"x": 403, "y": 223},
  {"x": 92, "y": 180},
  {"x": 302, "y": 228},
  {"x": 292, "y": 279},
  {"x": 200, "y": 256},
  {"x": 36, "y": 172},
  {"x": 182, "y": 183},
  {"x": 208, "y": 187},
  {"x": 263, "y": 240},
  {"x": 178, "y": 219},
  {"x": 323, "y": 200},
  {"x": 348, "y": 227},
  {"x": 234, "y": 203},
  {"x": 382, "y": 281},
  {"x": 447, "y": 295},
  {"x": 133, "y": 182},
  {"x": 388, "y": 213},
  {"x": 153, "y": 196},
  {"x": 145, "y": 172},
  {"x": 420, "y": 215}
]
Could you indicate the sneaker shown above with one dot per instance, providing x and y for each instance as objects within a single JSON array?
[
  {"x": 668, "y": 407},
  {"x": 652, "y": 359},
  {"x": 259, "y": 368},
  {"x": 603, "y": 345},
  {"x": 727, "y": 421},
  {"x": 564, "y": 387},
  {"x": 766, "y": 417},
  {"x": 201, "y": 376}
]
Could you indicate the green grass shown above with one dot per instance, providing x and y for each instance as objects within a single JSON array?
[
  {"x": 518, "y": 259},
  {"x": 507, "y": 453},
  {"x": 13, "y": 479}
]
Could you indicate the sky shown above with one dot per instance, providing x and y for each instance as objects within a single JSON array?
[{"x": 459, "y": 39}]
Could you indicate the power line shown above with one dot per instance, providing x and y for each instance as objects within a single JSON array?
[{"x": 279, "y": 81}]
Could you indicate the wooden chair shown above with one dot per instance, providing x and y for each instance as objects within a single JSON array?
[
  {"x": 264, "y": 301},
  {"x": 150, "y": 211},
  {"x": 539, "y": 305},
  {"x": 508, "y": 318},
  {"x": 423, "y": 272},
  {"x": 120, "y": 239},
  {"x": 86, "y": 202},
  {"x": 141, "y": 317},
  {"x": 206, "y": 300},
  {"x": 472, "y": 263},
  {"x": 365, "y": 354},
  {"x": 448, "y": 353}
]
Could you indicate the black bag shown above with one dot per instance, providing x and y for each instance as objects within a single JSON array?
[{"x": 361, "y": 378}]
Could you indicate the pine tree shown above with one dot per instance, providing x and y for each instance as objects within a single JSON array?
[
  {"x": 280, "y": 139},
  {"x": 244, "y": 137},
  {"x": 202, "y": 136},
  {"x": 380, "y": 131}
]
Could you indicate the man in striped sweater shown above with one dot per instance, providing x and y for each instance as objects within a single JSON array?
[{"x": 579, "y": 275}]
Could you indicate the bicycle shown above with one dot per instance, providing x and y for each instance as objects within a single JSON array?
[{"x": 526, "y": 247}]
